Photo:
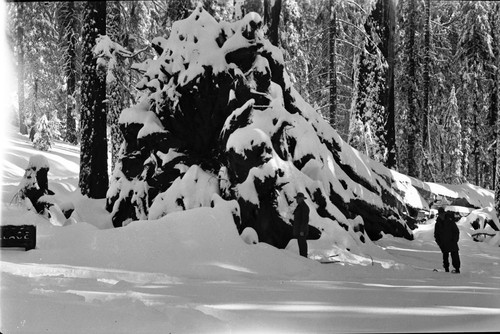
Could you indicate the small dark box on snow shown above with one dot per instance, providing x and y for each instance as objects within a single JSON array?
[{"x": 23, "y": 236}]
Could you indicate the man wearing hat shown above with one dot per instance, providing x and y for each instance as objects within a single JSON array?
[
  {"x": 301, "y": 223},
  {"x": 447, "y": 235}
]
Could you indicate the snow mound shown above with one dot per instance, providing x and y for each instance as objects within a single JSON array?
[
  {"x": 37, "y": 162},
  {"x": 250, "y": 236}
]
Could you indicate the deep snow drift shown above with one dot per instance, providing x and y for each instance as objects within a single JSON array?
[{"x": 191, "y": 271}]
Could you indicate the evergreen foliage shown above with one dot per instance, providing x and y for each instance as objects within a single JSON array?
[
  {"x": 43, "y": 137},
  {"x": 33, "y": 33}
]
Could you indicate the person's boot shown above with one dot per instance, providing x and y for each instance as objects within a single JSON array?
[
  {"x": 447, "y": 270},
  {"x": 456, "y": 271}
]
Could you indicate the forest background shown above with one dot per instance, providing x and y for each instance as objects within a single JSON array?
[{"x": 413, "y": 84}]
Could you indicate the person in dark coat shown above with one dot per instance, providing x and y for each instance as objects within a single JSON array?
[
  {"x": 447, "y": 235},
  {"x": 301, "y": 223}
]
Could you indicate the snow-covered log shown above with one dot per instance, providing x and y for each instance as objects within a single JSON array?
[{"x": 221, "y": 116}]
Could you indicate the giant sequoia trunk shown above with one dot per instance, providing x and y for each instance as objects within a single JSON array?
[
  {"x": 94, "y": 155},
  {"x": 220, "y": 116}
]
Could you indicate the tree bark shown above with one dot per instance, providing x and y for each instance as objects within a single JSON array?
[
  {"x": 412, "y": 107},
  {"x": 272, "y": 14},
  {"x": 390, "y": 31},
  {"x": 426, "y": 82},
  {"x": 93, "y": 157},
  {"x": 20, "y": 71},
  {"x": 497, "y": 91},
  {"x": 497, "y": 171},
  {"x": 494, "y": 99},
  {"x": 376, "y": 83},
  {"x": 69, "y": 26},
  {"x": 117, "y": 91},
  {"x": 476, "y": 148},
  {"x": 333, "y": 64}
]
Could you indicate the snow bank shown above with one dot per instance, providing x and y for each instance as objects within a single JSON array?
[
  {"x": 197, "y": 243},
  {"x": 190, "y": 272},
  {"x": 475, "y": 195}
]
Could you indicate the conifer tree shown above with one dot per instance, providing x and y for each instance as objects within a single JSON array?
[
  {"x": 411, "y": 86},
  {"x": 33, "y": 33},
  {"x": 332, "y": 73},
  {"x": 452, "y": 148},
  {"x": 494, "y": 98},
  {"x": 476, "y": 54},
  {"x": 46, "y": 131},
  {"x": 69, "y": 25},
  {"x": 426, "y": 147},
  {"x": 93, "y": 180},
  {"x": 496, "y": 92},
  {"x": 497, "y": 126},
  {"x": 118, "y": 84},
  {"x": 375, "y": 100},
  {"x": 42, "y": 139},
  {"x": 20, "y": 68}
]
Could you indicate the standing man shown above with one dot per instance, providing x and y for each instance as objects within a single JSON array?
[
  {"x": 447, "y": 235},
  {"x": 301, "y": 223}
]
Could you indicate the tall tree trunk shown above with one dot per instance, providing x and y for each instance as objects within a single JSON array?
[
  {"x": 476, "y": 147},
  {"x": 332, "y": 73},
  {"x": 272, "y": 12},
  {"x": 390, "y": 130},
  {"x": 426, "y": 82},
  {"x": 497, "y": 91},
  {"x": 466, "y": 141},
  {"x": 375, "y": 101},
  {"x": 20, "y": 70},
  {"x": 117, "y": 92},
  {"x": 495, "y": 77},
  {"x": 494, "y": 107},
  {"x": 497, "y": 171},
  {"x": 69, "y": 26},
  {"x": 412, "y": 103},
  {"x": 93, "y": 157}
]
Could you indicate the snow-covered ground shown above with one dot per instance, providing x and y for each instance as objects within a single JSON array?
[{"x": 190, "y": 272}]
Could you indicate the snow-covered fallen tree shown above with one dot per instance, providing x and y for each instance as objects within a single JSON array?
[{"x": 220, "y": 116}]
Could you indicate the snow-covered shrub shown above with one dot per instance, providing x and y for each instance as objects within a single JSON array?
[{"x": 221, "y": 117}]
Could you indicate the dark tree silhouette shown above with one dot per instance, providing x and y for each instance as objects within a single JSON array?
[{"x": 93, "y": 155}]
